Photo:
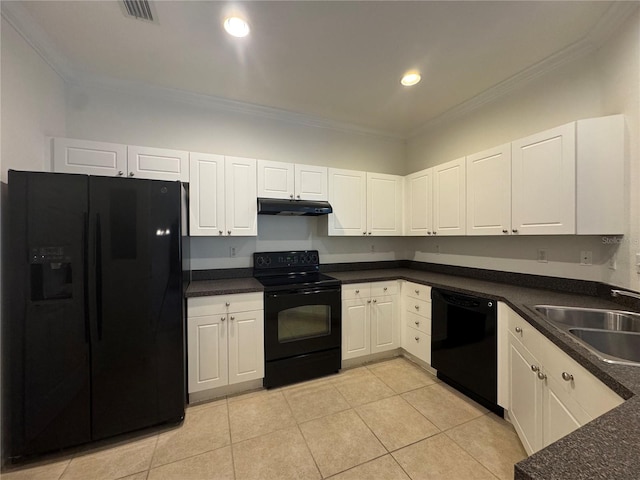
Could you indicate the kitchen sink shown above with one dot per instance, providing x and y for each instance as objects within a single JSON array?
[
  {"x": 612, "y": 335},
  {"x": 611, "y": 320},
  {"x": 622, "y": 345}
]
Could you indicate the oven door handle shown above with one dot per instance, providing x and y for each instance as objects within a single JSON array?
[{"x": 303, "y": 291}]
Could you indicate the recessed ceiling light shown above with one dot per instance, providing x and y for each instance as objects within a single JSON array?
[
  {"x": 410, "y": 78},
  {"x": 236, "y": 26}
]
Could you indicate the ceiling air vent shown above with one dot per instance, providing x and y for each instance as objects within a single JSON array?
[{"x": 138, "y": 9}]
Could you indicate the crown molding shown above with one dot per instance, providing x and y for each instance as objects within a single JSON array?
[
  {"x": 614, "y": 17},
  {"x": 21, "y": 20}
]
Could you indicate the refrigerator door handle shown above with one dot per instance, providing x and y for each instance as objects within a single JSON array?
[
  {"x": 98, "y": 262},
  {"x": 85, "y": 272}
]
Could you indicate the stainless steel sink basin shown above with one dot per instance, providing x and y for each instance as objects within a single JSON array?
[
  {"x": 612, "y": 335},
  {"x": 621, "y": 345},
  {"x": 612, "y": 320}
]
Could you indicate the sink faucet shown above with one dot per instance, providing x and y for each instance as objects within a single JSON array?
[{"x": 616, "y": 293}]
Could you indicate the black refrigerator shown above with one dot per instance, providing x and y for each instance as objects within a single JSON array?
[{"x": 94, "y": 337}]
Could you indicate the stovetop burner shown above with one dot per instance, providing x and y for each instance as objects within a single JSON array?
[{"x": 287, "y": 270}]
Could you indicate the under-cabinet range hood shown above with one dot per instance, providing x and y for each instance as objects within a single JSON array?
[{"x": 274, "y": 206}]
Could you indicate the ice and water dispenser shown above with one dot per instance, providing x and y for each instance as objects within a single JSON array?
[{"x": 51, "y": 273}]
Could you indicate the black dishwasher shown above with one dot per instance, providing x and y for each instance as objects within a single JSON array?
[{"x": 464, "y": 346}]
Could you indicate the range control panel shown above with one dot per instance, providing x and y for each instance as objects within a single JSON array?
[{"x": 304, "y": 260}]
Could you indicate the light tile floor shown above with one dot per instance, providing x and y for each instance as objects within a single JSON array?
[{"x": 389, "y": 420}]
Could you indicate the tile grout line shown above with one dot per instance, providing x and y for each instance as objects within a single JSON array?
[{"x": 306, "y": 444}]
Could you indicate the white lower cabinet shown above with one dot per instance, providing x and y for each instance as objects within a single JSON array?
[
  {"x": 370, "y": 322},
  {"x": 225, "y": 338},
  {"x": 550, "y": 395},
  {"x": 416, "y": 320}
]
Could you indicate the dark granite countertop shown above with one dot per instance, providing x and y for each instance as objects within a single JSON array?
[
  {"x": 227, "y": 286},
  {"x": 606, "y": 448}
]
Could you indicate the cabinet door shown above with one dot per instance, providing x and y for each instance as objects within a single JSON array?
[
  {"x": 246, "y": 346},
  {"x": 449, "y": 193},
  {"x": 356, "y": 339},
  {"x": 275, "y": 179},
  {"x": 310, "y": 182},
  {"x": 241, "y": 207},
  {"x": 348, "y": 197},
  {"x": 561, "y": 414},
  {"x": 206, "y": 195},
  {"x": 544, "y": 182},
  {"x": 157, "y": 163},
  {"x": 489, "y": 192},
  {"x": 525, "y": 396},
  {"x": 207, "y": 349},
  {"x": 384, "y": 204},
  {"x": 384, "y": 324},
  {"x": 89, "y": 158},
  {"x": 419, "y": 203}
]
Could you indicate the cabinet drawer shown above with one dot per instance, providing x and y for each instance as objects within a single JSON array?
[
  {"x": 415, "y": 290},
  {"x": 217, "y": 304},
  {"x": 356, "y": 291},
  {"x": 384, "y": 288},
  {"x": 418, "y": 307},
  {"x": 418, "y": 322},
  {"x": 417, "y": 343},
  {"x": 525, "y": 333},
  {"x": 593, "y": 395}
]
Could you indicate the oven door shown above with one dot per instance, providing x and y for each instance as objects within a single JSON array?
[{"x": 302, "y": 321}]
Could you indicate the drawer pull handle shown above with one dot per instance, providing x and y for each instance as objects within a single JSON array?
[
  {"x": 357, "y": 291},
  {"x": 220, "y": 232},
  {"x": 226, "y": 304},
  {"x": 417, "y": 307},
  {"x": 567, "y": 377},
  {"x": 417, "y": 292},
  {"x": 417, "y": 323},
  {"x": 375, "y": 301},
  {"x": 541, "y": 376},
  {"x": 222, "y": 319},
  {"x": 233, "y": 318},
  {"x": 385, "y": 289},
  {"x": 417, "y": 339},
  {"x": 368, "y": 301},
  {"x": 535, "y": 368},
  {"x": 518, "y": 330}
]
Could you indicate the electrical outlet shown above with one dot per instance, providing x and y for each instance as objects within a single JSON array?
[
  {"x": 586, "y": 257},
  {"x": 542, "y": 255},
  {"x": 232, "y": 252}
]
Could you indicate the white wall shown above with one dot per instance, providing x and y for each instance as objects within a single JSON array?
[
  {"x": 601, "y": 83},
  {"x": 619, "y": 68},
  {"x": 33, "y": 104}
]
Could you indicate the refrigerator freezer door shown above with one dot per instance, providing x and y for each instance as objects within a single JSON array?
[
  {"x": 46, "y": 329},
  {"x": 136, "y": 304}
]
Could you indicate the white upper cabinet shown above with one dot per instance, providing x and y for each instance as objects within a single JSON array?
[
  {"x": 449, "y": 198},
  {"x": 222, "y": 197},
  {"x": 489, "y": 192},
  {"x": 89, "y": 158},
  {"x": 348, "y": 198},
  {"x": 384, "y": 204},
  {"x": 311, "y": 182},
  {"x": 291, "y": 181},
  {"x": 115, "y": 160},
  {"x": 158, "y": 163},
  {"x": 544, "y": 182},
  {"x": 419, "y": 203}
]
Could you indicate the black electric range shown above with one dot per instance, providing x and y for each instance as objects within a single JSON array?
[{"x": 303, "y": 317}]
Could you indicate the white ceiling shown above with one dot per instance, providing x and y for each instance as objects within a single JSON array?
[{"x": 337, "y": 60}]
